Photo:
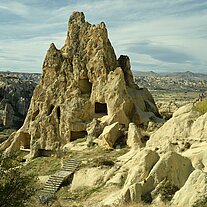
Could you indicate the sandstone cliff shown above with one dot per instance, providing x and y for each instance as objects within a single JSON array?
[{"x": 81, "y": 82}]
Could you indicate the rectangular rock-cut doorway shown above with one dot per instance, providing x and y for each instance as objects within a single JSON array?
[
  {"x": 101, "y": 108},
  {"x": 77, "y": 135},
  {"x": 25, "y": 139},
  {"x": 44, "y": 153}
]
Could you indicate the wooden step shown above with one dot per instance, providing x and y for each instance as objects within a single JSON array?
[{"x": 55, "y": 181}]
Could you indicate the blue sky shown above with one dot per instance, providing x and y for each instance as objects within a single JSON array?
[{"x": 161, "y": 35}]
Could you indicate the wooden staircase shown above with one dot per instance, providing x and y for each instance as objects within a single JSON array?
[{"x": 55, "y": 181}]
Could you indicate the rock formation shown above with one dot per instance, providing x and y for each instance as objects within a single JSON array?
[
  {"x": 186, "y": 127},
  {"x": 15, "y": 95},
  {"x": 86, "y": 92},
  {"x": 80, "y": 82}
]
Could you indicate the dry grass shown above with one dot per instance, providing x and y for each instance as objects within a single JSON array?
[{"x": 144, "y": 205}]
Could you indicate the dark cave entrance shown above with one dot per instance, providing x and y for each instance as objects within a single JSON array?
[
  {"x": 78, "y": 135},
  {"x": 25, "y": 139},
  {"x": 101, "y": 108},
  {"x": 44, "y": 153},
  {"x": 58, "y": 114},
  {"x": 50, "y": 110}
]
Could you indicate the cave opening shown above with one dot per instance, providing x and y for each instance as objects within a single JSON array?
[
  {"x": 25, "y": 139},
  {"x": 50, "y": 110},
  {"x": 78, "y": 135},
  {"x": 101, "y": 108},
  {"x": 85, "y": 86},
  {"x": 44, "y": 153},
  {"x": 58, "y": 113}
]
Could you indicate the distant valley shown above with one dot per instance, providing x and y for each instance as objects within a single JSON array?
[{"x": 179, "y": 82}]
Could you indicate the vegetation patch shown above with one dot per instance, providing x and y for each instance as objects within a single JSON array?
[
  {"x": 167, "y": 191},
  {"x": 201, "y": 106},
  {"x": 16, "y": 185},
  {"x": 44, "y": 165}
]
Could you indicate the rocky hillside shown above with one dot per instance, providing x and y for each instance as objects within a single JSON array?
[
  {"x": 35, "y": 77},
  {"x": 15, "y": 95},
  {"x": 183, "y": 81}
]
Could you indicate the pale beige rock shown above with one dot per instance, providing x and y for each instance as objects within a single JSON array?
[
  {"x": 95, "y": 128},
  {"x": 140, "y": 166},
  {"x": 110, "y": 135},
  {"x": 82, "y": 81},
  {"x": 87, "y": 177},
  {"x": 187, "y": 126},
  {"x": 194, "y": 192},
  {"x": 134, "y": 138},
  {"x": 172, "y": 167},
  {"x": 135, "y": 168},
  {"x": 198, "y": 156},
  {"x": 8, "y": 116}
]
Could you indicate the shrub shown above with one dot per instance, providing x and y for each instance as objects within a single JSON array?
[
  {"x": 16, "y": 186},
  {"x": 201, "y": 106}
]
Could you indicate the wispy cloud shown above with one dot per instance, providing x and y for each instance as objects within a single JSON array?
[
  {"x": 14, "y": 8},
  {"x": 157, "y": 35}
]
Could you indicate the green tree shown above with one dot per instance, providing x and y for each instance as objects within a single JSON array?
[{"x": 16, "y": 185}]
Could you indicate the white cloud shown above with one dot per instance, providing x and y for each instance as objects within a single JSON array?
[
  {"x": 15, "y": 7},
  {"x": 179, "y": 27}
]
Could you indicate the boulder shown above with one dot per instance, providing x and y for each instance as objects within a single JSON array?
[
  {"x": 140, "y": 166},
  {"x": 87, "y": 177},
  {"x": 178, "y": 137},
  {"x": 109, "y": 135},
  {"x": 95, "y": 128},
  {"x": 194, "y": 192},
  {"x": 197, "y": 155},
  {"x": 173, "y": 167},
  {"x": 134, "y": 138}
]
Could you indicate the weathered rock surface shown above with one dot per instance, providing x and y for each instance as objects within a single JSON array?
[
  {"x": 135, "y": 138},
  {"x": 87, "y": 177},
  {"x": 82, "y": 81},
  {"x": 194, "y": 192},
  {"x": 187, "y": 126},
  {"x": 198, "y": 156},
  {"x": 109, "y": 136},
  {"x": 15, "y": 96},
  {"x": 147, "y": 173}
]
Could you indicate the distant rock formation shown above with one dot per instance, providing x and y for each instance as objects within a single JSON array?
[
  {"x": 15, "y": 96},
  {"x": 35, "y": 77},
  {"x": 81, "y": 82}
]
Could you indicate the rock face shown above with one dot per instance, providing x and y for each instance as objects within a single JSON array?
[
  {"x": 82, "y": 81},
  {"x": 194, "y": 192},
  {"x": 110, "y": 135},
  {"x": 178, "y": 137},
  {"x": 135, "y": 139},
  {"x": 15, "y": 96}
]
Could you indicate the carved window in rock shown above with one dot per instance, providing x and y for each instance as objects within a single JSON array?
[
  {"x": 85, "y": 86},
  {"x": 25, "y": 139},
  {"x": 78, "y": 135},
  {"x": 50, "y": 110},
  {"x": 35, "y": 114},
  {"x": 58, "y": 113},
  {"x": 101, "y": 108},
  {"x": 44, "y": 153}
]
